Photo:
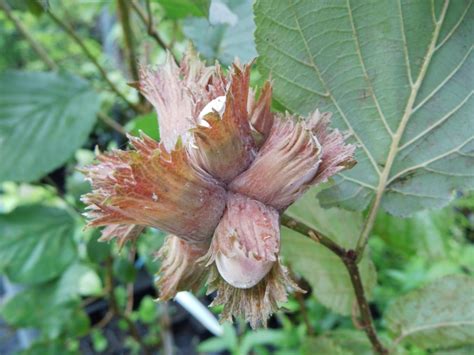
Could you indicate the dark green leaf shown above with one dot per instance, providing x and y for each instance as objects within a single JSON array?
[
  {"x": 124, "y": 270},
  {"x": 177, "y": 9},
  {"x": 44, "y": 118},
  {"x": 36, "y": 243},
  {"x": 97, "y": 251}
]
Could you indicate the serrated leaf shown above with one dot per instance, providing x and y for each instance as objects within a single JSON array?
[
  {"x": 224, "y": 42},
  {"x": 397, "y": 75},
  {"x": 44, "y": 118},
  {"x": 36, "y": 243},
  {"x": 323, "y": 269},
  {"x": 440, "y": 315}
]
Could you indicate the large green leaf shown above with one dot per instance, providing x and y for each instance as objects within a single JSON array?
[
  {"x": 438, "y": 315},
  {"x": 323, "y": 269},
  {"x": 36, "y": 243},
  {"x": 397, "y": 75},
  {"x": 225, "y": 41},
  {"x": 44, "y": 118}
]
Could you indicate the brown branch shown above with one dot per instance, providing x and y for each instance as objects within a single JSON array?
[
  {"x": 112, "y": 123},
  {"x": 118, "y": 312},
  {"x": 147, "y": 19},
  {"x": 69, "y": 30},
  {"x": 40, "y": 51},
  {"x": 124, "y": 16},
  {"x": 349, "y": 258},
  {"x": 312, "y": 234}
]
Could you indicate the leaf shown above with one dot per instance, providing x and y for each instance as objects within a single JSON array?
[
  {"x": 339, "y": 342},
  {"x": 426, "y": 233},
  {"x": 44, "y": 118},
  {"x": 325, "y": 271},
  {"x": 147, "y": 312},
  {"x": 224, "y": 42},
  {"x": 53, "y": 347},
  {"x": 397, "y": 76},
  {"x": 36, "y": 243},
  {"x": 440, "y": 315},
  {"x": 148, "y": 124},
  {"x": 177, "y": 9},
  {"x": 53, "y": 307},
  {"x": 262, "y": 337}
]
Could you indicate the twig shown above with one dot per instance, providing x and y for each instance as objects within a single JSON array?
[
  {"x": 118, "y": 312},
  {"x": 312, "y": 234},
  {"x": 350, "y": 261},
  {"x": 131, "y": 258},
  {"x": 24, "y": 31},
  {"x": 166, "y": 335},
  {"x": 112, "y": 123},
  {"x": 68, "y": 29},
  {"x": 349, "y": 258},
  {"x": 39, "y": 49},
  {"x": 147, "y": 20},
  {"x": 123, "y": 7},
  {"x": 304, "y": 312}
]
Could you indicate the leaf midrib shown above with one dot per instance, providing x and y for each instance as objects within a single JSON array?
[
  {"x": 432, "y": 326},
  {"x": 394, "y": 147}
]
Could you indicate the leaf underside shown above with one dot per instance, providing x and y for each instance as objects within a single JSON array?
[
  {"x": 438, "y": 315},
  {"x": 398, "y": 77}
]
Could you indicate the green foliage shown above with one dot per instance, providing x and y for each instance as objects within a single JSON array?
[
  {"x": 325, "y": 271},
  {"x": 440, "y": 315},
  {"x": 148, "y": 124},
  {"x": 44, "y": 118},
  {"x": 404, "y": 94},
  {"x": 183, "y": 8},
  {"x": 53, "y": 307},
  {"x": 36, "y": 243},
  {"x": 339, "y": 342},
  {"x": 227, "y": 39},
  {"x": 352, "y": 57}
]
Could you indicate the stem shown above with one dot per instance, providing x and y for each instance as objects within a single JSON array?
[
  {"x": 68, "y": 29},
  {"x": 147, "y": 20},
  {"x": 312, "y": 234},
  {"x": 118, "y": 312},
  {"x": 112, "y": 123},
  {"x": 350, "y": 261},
  {"x": 42, "y": 53},
  {"x": 123, "y": 12},
  {"x": 349, "y": 258}
]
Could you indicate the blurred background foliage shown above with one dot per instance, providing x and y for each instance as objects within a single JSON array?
[{"x": 64, "y": 292}]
